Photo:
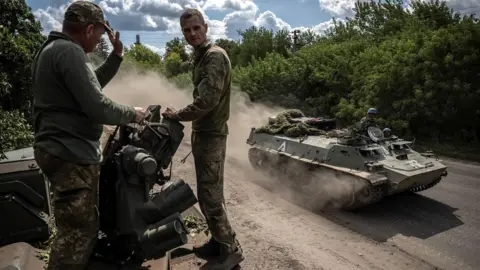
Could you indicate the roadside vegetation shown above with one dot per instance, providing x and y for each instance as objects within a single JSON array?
[{"x": 418, "y": 67}]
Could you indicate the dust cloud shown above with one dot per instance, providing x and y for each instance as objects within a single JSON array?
[
  {"x": 143, "y": 89},
  {"x": 313, "y": 190}
]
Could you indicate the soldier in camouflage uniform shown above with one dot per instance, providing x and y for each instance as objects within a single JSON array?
[
  {"x": 70, "y": 110},
  {"x": 210, "y": 112},
  {"x": 369, "y": 120}
]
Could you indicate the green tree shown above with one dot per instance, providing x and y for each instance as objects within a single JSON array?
[
  {"x": 256, "y": 43},
  {"x": 177, "y": 46},
  {"x": 174, "y": 65},
  {"x": 417, "y": 67},
  {"x": 231, "y": 47},
  {"x": 143, "y": 57},
  {"x": 282, "y": 43},
  {"x": 16, "y": 132},
  {"x": 20, "y": 38},
  {"x": 307, "y": 38}
]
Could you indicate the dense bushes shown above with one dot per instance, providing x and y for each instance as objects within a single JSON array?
[
  {"x": 421, "y": 73},
  {"x": 20, "y": 37}
]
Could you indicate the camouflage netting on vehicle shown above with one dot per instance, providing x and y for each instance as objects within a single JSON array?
[
  {"x": 339, "y": 133},
  {"x": 282, "y": 125}
]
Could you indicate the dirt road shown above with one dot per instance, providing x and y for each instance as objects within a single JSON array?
[
  {"x": 439, "y": 225},
  {"x": 276, "y": 234}
]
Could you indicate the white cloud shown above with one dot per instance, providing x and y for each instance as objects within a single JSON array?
[
  {"x": 49, "y": 18},
  {"x": 160, "y": 51},
  {"x": 319, "y": 28},
  {"x": 229, "y": 4},
  {"x": 339, "y": 7},
  {"x": 163, "y": 15},
  {"x": 270, "y": 21},
  {"x": 217, "y": 29},
  {"x": 239, "y": 20},
  {"x": 344, "y": 8},
  {"x": 463, "y": 6}
]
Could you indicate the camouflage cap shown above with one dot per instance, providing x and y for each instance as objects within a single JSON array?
[{"x": 86, "y": 12}]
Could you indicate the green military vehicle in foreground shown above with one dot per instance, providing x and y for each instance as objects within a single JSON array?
[{"x": 302, "y": 149}]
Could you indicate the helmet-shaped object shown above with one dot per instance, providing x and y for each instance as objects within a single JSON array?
[
  {"x": 387, "y": 130},
  {"x": 372, "y": 111}
]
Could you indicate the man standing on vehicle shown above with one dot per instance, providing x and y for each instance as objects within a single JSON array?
[
  {"x": 70, "y": 111},
  {"x": 210, "y": 112}
]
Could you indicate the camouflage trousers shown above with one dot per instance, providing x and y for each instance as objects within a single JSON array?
[
  {"x": 209, "y": 153},
  {"x": 75, "y": 208}
]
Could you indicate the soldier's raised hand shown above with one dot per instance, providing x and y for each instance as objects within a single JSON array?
[{"x": 116, "y": 43}]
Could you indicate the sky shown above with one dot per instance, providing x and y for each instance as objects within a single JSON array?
[{"x": 156, "y": 21}]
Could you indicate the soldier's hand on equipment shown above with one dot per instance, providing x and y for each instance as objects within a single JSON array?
[
  {"x": 139, "y": 114},
  {"x": 171, "y": 114}
]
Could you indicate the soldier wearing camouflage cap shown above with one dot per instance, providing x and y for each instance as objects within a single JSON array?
[
  {"x": 70, "y": 111},
  {"x": 209, "y": 113}
]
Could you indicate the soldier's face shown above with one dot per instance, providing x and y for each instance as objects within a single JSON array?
[
  {"x": 93, "y": 35},
  {"x": 194, "y": 31}
]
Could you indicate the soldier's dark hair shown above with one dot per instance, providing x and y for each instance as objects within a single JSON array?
[{"x": 190, "y": 12}]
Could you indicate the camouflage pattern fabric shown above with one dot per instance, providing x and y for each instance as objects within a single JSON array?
[
  {"x": 283, "y": 125},
  {"x": 212, "y": 78},
  {"x": 86, "y": 12},
  {"x": 75, "y": 204},
  {"x": 209, "y": 154},
  {"x": 338, "y": 133},
  {"x": 361, "y": 126}
]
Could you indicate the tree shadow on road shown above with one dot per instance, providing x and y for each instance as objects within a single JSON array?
[{"x": 408, "y": 214}]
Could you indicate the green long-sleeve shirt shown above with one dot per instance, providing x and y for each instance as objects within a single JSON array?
[
  {"x": 212, "y": 77},
  {"x": 69, "y": 106}
]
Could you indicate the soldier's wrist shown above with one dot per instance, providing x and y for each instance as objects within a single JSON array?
[{"x": 177, "y": 117}]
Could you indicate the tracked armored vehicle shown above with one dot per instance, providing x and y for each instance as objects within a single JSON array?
[{"x": 292, "y": 143}]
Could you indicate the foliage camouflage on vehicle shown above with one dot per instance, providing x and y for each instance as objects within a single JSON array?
[{"x": 282, "y": 125}]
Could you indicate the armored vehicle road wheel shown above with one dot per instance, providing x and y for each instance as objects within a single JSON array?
[
  {"x": 298, "y": 176},
  {"x": 365, "y": 196},
  {"x": 256, "y": 158},
  {"x": 425, "y": 187}
]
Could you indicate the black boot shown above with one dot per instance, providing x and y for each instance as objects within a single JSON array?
[
  {"x": 228, "y": 259},
  {"x": 208, "y": 250}
]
